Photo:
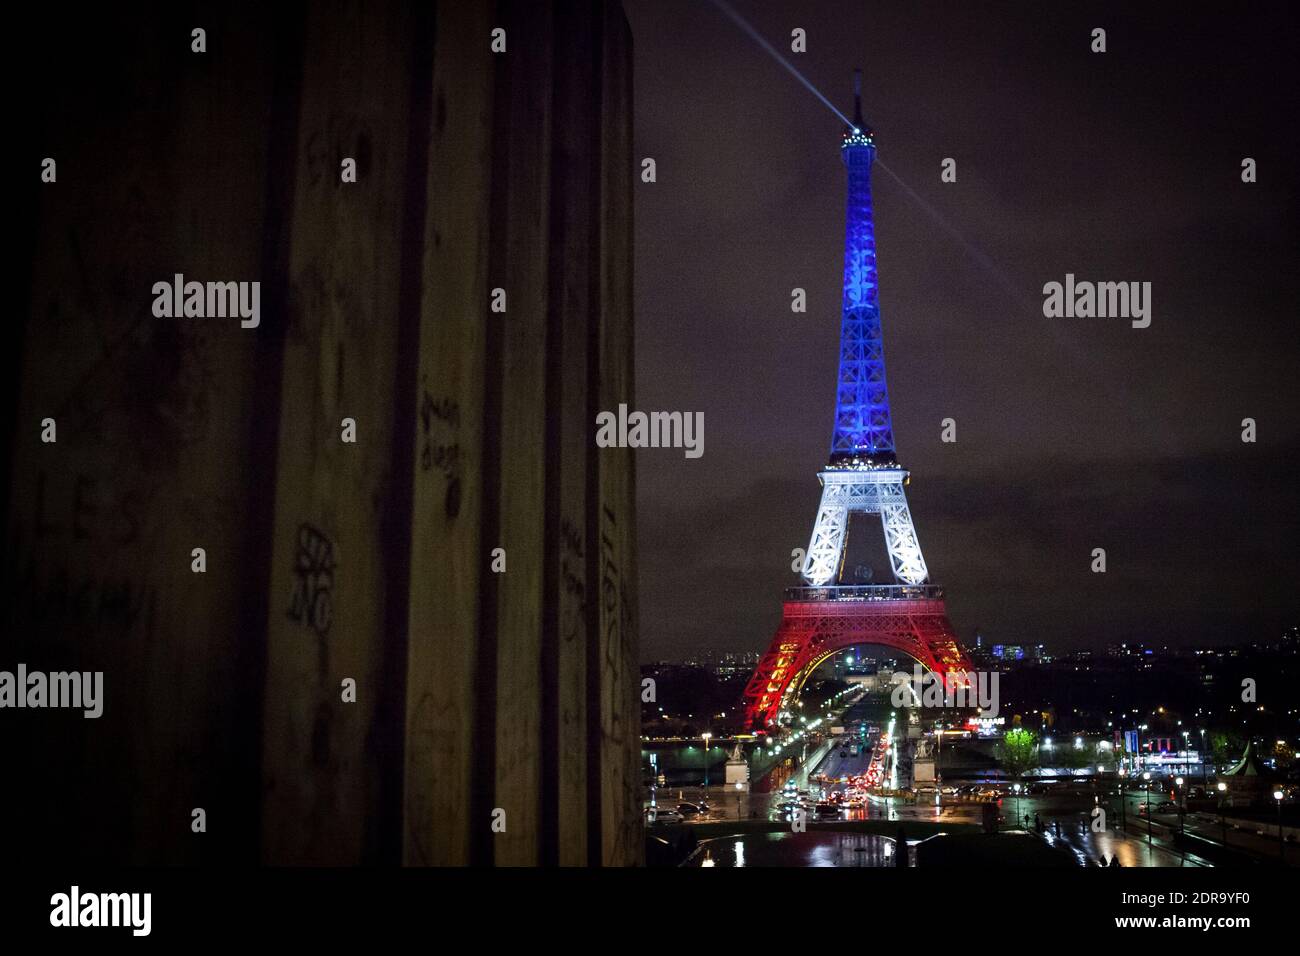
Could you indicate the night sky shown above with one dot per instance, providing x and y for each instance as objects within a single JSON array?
[{"x": 1073, "y": 433}]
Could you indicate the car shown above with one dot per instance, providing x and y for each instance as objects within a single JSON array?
[
  {"x": 688, "y": 809},
  {"x": 1166, "y": 806},
  {"x": 662, "y": 815}
]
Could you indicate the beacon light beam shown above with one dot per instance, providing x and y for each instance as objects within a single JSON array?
[
  {"x": 961, "y": 240},
  {"x": 1078, "y": 353},
  {"x": 1007, "y": 285},
  {"x": 757, "y": 37}
]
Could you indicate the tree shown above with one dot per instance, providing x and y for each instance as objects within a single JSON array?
[
  {"x": 1018, "y": 752},
  {"x": 1226, "y": 747},
  {"x": 1072, "y": 758},
  {"x": 1283, "y": 755}
]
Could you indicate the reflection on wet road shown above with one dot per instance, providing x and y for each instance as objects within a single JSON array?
[{"x": 819, "y": 848}]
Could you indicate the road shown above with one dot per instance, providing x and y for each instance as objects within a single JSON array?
[
  {"x": 1064, "y": 817},
  {"x": 1209, "y": 826}
]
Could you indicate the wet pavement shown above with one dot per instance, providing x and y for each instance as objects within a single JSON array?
[
  {"x": 820, "y": 849},
  {"x": 1125, "y": 836}
]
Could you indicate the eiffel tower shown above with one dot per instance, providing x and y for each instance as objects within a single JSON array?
[{"x": 862, "y": 475}]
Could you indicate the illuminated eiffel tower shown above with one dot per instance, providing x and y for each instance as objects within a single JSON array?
[{"x": 862, "y": 475}]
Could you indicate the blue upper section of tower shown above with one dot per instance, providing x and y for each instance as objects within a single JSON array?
[{"x": 864, "y": 434}]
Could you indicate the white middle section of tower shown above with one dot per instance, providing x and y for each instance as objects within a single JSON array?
[{"x": 872, "y": 491}]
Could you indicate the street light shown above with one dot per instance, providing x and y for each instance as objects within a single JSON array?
[
  {"x": 1123, "y": 799},
  {"x": 1223, "y": 823},
  {"x": 1146, "y": 776},
  {"x": 707, "y": 736},
  {"x": 1281, "y": 843},
  {"x": 1182, "y": 803},
  {"x": 654, "y": 779}
]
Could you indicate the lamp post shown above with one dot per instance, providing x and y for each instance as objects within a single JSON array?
[
  {"x": 706, "y": 735},
  {"x": 654, "y": 779},
  {"x": 1182, "y": 803},
  {"x": 1281, "y": 843},
  {"x": 1205, "y": 780},
  {"x": 1223, "y": 823},
  {"x": 1146, "y": 777},
  {"x": 1123, "y": 798},
  {"x": 938, "y": 773},
  {"x": 1016, "y": 789}
]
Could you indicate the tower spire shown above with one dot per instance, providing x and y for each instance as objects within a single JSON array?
[
  {"x": 863, "y": 435},
  {"x": 858, "y": 122}
]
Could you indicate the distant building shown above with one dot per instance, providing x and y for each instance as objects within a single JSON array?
[{"x": 1032, "y": 653}]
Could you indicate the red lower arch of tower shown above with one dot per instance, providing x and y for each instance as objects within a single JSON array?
[{"x": 812, "y": 631}]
